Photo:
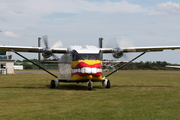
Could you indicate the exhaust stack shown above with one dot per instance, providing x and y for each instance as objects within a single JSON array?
[
  {"x": 39, "y": 54},
  {"x": 100, "y": 42}
]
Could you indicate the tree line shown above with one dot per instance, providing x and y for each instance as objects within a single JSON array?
[{"x": 157, "y": 65}]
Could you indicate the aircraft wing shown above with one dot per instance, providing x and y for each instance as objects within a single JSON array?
[
  {"x": 31, "y": 49},
  {"x": 142, "y": 49},
  {"x": 115, "y": 61},
  {"x": 172, "y": 66}
]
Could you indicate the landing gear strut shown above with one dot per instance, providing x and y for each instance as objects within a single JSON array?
[{"x": 106, "y": 82}]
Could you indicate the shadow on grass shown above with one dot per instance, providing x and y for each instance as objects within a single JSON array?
[
  {"x": 74, "y": 87},
  {"x": 82, "y": 87},
  {"x": 42, "y": 86},
  {"x": 77, "y": 87},
  {"x": 141, "y": 86},
  {"x": 30, "y": 86}
]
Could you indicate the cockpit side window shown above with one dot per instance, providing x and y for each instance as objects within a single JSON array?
[
  {"x": 100, "y": 55},
  {"x": 76, "y": 56}
]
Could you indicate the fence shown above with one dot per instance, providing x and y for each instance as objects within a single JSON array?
[{"x": 3, "y": 71}]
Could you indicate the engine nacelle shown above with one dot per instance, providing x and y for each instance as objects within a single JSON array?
[
  {"x": 47, "y": 53},
  {"x": 118, "y": 52}
]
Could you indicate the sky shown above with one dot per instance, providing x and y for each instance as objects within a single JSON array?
[{"x": 83, "y": 22}]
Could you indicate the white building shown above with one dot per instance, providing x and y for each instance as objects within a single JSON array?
[
  {"x": 18, "y": 67},
  {"x": 6, "y": 64}
]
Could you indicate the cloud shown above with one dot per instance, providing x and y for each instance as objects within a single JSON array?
[
  {"x": 43, "y": 7},
  {"x": 71, "y": 6},
  {"x": 109, "y": 7},
  {"x": 169, "y": 7},
  {"x": 3, "y": 19},
  {"x": 10, "y": 34}
]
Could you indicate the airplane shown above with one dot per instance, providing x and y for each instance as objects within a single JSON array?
[
  {"x": 171, "y": 66},
  {"x": 83, "y": 63}
]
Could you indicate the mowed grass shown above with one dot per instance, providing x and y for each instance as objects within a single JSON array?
[{"x": 134, "y": 95}]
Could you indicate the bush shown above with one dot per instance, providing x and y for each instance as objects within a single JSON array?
[
  {"x": 28, "y": 67},
  {"x": 156, "y": 68}
]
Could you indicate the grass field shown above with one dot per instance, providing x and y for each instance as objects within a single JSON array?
[{"x": 134, "y": 95}]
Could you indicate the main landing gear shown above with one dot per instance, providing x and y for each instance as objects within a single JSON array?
[
  {"x": 105, "y": 83},
  {"x": 54, "y": 83}
]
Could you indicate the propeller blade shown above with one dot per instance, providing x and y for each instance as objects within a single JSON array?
[
  {"x": 45, "y": 39},
  {"x": 121, "y": 42},
  {"x": 56, "y": 57},
  {"x": 124, "y": 42},
  {"x": 57, "y": 44}
]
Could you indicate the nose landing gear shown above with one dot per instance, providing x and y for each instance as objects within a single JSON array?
[{"x": 89, "y": 85}]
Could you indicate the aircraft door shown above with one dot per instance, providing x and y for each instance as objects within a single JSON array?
[{"x": 64, "y": 65}]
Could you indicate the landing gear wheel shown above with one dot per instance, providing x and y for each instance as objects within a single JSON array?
[
  {"x": 56, "y": 83},
  {"x": 89, "y": 85},
  {"x": 53, "y": 84},
  {"x": 108, "y": 85}
]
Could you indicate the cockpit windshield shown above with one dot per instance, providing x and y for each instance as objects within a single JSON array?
[{"x": 87, "y": 56}]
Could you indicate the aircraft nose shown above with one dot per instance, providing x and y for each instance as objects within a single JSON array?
[{"x": 90, "y": 76}]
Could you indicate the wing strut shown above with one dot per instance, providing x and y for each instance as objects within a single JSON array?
[
  {"x": 35, "y": 64},
  {"x": 124, "y": 65}
]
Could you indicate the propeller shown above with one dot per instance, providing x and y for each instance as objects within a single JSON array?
[
  {"x": 47, "y": 52},
  {"x": 45, "y": 39},
  {"x": 120, "y": 42},
  {"x": 124, "y": 42}
]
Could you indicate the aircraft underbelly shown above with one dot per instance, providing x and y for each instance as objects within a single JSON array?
[{"x": 77, "y": 77}]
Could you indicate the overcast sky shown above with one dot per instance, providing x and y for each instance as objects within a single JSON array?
[{"x": 82, "y": 22}]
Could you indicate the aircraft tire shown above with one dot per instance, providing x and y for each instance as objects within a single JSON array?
[
  {"x": 108, "y": 84},
  {"x": 53, "y": 84},
  {"x": 89, "y": 86}
]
